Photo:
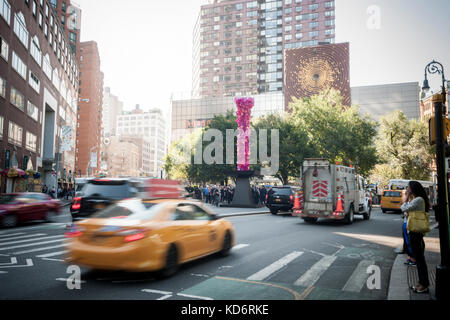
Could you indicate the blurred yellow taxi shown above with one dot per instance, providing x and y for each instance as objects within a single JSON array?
[
  {"x": 148, "y": 235},
  {"x": 391, "y": 200}
]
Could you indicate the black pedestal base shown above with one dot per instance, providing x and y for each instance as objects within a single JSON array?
[{"x": 243, "y": 193}]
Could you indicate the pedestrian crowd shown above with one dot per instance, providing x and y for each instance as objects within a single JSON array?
[
  {"x": 216, "y": 195},
  {"x": 61, "y": 193}
]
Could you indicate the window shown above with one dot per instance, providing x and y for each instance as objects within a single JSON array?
[
  {"x": 19, "y": 66},
  {"x": 36, "y": 51},
  {"x": 1, "y": 127},
  {"x": 41, "y": 20},
  {"x": 2, "y": 87},
  {"x": 4, "y": 48},
  {"x": 20, "y": 28},
  {"x": 34, "y": 8},
  {"x": 34, "y": 82},
  {"x": 314, "y": 34},
  {"x": 17, "y": 99},
  {"x": 46, "y": 30},
  {"x": 329, "y": 23},
  {"x": 47, "y": 68},
  {"x": 313, "y": 25},
  {"x": 31, "y": 142},
  {"x": 15, "y": 134},
  {"x": 313, "y": 7},
  {"x": 5, "y": 10}
]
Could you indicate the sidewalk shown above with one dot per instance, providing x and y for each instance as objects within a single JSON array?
[
  {"x": 230, "y": 212},
  {"x": 403, "y": 276}
]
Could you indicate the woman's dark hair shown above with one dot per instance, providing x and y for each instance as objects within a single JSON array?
[{"x": 418, "y": 190}]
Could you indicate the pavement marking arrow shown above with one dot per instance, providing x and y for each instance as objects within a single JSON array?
[{"x": 28, "y": 261}]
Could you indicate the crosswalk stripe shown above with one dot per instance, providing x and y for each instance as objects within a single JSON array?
[
  {"x": 28, "y": 240},
  {"x": 22, "y": 237},
  {"x": 52, "y": 254},
  {"x": 29, "y": 245},
  {"x": 42, "y": 249},
  {"x": 359, "y": 277},
  {"x": 11, "y": 234},
  {"x": 277, "y": 265},
  {"x": 240, "y": 246},
  {"x": 310, "y": 277}
]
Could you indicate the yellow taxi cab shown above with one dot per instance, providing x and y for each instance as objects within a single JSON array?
[
  {"x": 391, "y": 200},
  {"x": 148, "y": 235}
]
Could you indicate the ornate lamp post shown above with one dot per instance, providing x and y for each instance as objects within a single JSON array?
[{"x": 443, "y": 270}]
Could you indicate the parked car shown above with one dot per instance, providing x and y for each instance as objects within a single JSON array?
[
  {"x": 97, "y": 194},
  {"x": 280, "y": 199},
  {"x": 17, "y": 208},
  {"x": 148, "y": 235}
]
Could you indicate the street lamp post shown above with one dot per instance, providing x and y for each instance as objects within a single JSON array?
[{"x": 442, "y": 270}]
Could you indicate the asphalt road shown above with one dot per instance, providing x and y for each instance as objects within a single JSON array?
[{"x": 275, "y": 258}]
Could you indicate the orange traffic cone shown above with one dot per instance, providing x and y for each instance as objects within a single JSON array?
[
  {"x": 340, "y": 204},
  {"x": 296, "y": 203}
]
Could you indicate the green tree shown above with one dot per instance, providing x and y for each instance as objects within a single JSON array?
[
  {"x": 403, "y": 147},
  {"x": 337, "y": 132},
  {"x": 293, "y": 144}
]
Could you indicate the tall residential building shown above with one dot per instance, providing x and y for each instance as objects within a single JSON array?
[
  {"x": 112, "y": 108},
  {"x": 124, "y": 158},
  {"x": 238, "y": 44},
  {"x": 89, "y": 125},
  {"x": 151, "y": 127},
  {"x": 38, "y": 94}
]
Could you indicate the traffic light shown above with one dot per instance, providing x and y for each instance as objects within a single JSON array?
[{"x": 432, "y": 129}]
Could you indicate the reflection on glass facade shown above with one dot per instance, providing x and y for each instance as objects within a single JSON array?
[{"x": 190, "y": 114}]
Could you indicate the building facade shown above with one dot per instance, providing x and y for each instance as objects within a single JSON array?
[
  {"x": 380, "y": 100},
  {"x": 191, "y": 114},
  {"x": 89, "y": 124},
  {"x": 38, "y": 95},
  {"x": 124, "y": 158},
  {"x": 238, "y": 45},
  {"x": 151, "y": 127},
  {"x": 112, "y": 108}
]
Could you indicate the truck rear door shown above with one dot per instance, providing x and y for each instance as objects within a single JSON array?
[{"x": 318, "y": 186}]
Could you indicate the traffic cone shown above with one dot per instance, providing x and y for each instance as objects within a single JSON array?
[
  {"x": 296, "y": 202},
  {"x": 340, "y": 204}
]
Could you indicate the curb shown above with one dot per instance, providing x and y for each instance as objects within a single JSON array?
[{"x": 398, "y": 287}]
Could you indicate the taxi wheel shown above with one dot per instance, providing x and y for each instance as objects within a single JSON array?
[
  {"x": 226, "y": 246},
  {"x": 171, "y": 262},
  {"x": 9, "y": 221}
]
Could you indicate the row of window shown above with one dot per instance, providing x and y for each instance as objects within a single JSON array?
[
  {"x": 18, "y": 100},
  {"x": 15, "y": 136}
]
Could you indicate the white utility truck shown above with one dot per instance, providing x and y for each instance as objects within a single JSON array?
[{"x": 332, "y": 192}]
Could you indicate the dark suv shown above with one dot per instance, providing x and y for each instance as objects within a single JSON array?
[
  {"x": 280, "y": 199},
  {"x": 97, "y": 194}
]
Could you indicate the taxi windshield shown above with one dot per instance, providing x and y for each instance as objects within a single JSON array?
[{"x": 135, "y": 209}]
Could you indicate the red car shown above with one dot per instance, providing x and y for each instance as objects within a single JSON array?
[{"x": 16, "y": 208}]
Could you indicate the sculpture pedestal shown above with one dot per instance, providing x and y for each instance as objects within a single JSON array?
[{"x": 242, "y": 197}]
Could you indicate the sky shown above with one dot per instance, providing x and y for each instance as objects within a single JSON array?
[{"x": 146, "y": 45}]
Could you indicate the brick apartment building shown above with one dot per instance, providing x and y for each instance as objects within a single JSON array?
[
  {"x": 38, "y": 93},
  {"x": 89, "y": 125},
  {"x": 238, "y": 44}
]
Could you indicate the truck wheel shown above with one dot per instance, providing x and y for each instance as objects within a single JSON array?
[
  {"x": 366, "y": 215},
  {"x": 310, "y": 220},
  {"x": 350, "y": 216},
  {"x": 383, "y": 210}
]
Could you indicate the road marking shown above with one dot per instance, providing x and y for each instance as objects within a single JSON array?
[
  {"x": 296, "y": 295},
  {"x": 52, "y": 254},
  {"x": 277, "y": 265},
  {"x": 193, "y": 297},
  {"x": 156, "y": 291},
  {"x": 28, "y": 236},
  {"x": 11, "y": 234},
  {"x": 359, "y": 277},
  {"x": 165, "y": 297},
  {"x": 50, "y": 259},
  {"x": 71, "y": 280},
  {"x": 240, "y": 246},
  {"x": 310, "y": 277},
  {"x": 28, "y": 261},
  {"x": 28, "y": 240},
  {"x": 13, "y": 261},
  {"x": 29, "y": 245},
  {"x": 42, "y": 249}
]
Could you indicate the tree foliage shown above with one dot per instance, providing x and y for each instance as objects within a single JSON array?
[
  {"x": 336, "y": 132},
  {"x": 403, "y": 149}
]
